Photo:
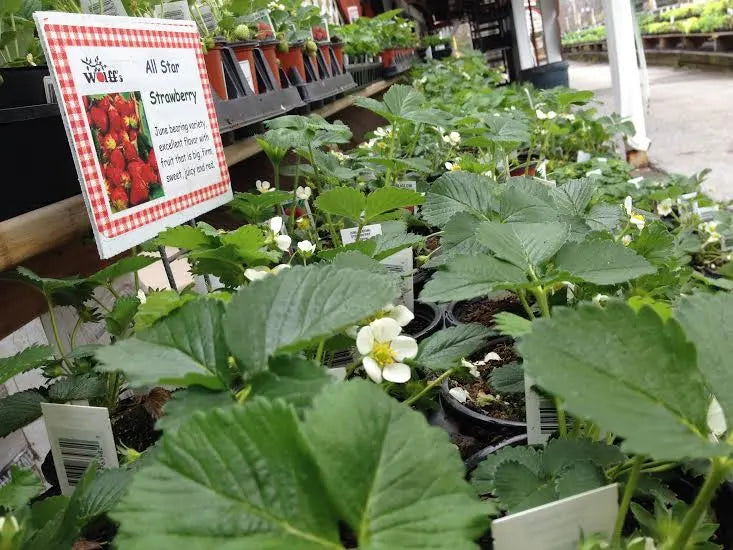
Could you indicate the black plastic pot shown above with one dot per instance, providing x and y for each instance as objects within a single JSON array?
[
  {"x": 472, "y": 461},
  {"x": 547, "y": 76},
  {"x": 466, "y": 415},
  {"x": 22, "y": 86},
  {"x": 723, "y": 507},
  {"x": 419, "y": 278},
  {"x": 452, "y": 312},
  {"x": 37, "y": 155},
  {"x": 427, "y": 320}
]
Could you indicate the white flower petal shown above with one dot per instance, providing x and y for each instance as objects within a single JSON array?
[
  {"x": 365, "y": 340},
  {"x": 404, "y": 347},
  {"x": 397, "y": 372},
  {"x": 276, "y": 224},
  {"x": 141, "y": 296},
  {"x": 306, "y": 246},
  {"x": 385, "y": 329},
  {"x": 401, "y": 314},
  {"x": 256, "y": 273},
  {"x": 551, "y": 115},
  {"x": 283, "y": 242},
  {"x": 628, "y": 205},
  {"x": 459, "y": 394},
  {"x": 716, "y": 419},
  {"x": 352, "y": 331},
  {"x": 626, "y": 240},
  {"x": 540, "y": 114},
  {"x": 372, "y": 369},
  {"x": 492, "y": 356}
]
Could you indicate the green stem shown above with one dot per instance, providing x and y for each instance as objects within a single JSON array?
[
  {"x": 413, "y": 144},
  {"x": 359, "y": 230},
  {"x": 562, "y": 424},
  {"x": 319, "y": 351},
  {"x": 539, "y": 293},
  {"x": 55, "y": 329},
  {"x": 429, "y": 387},
  {"x": 388, "y": 173},
  {"x": 136, "y": 275},
  {"x": 100, "y": 304},
  {"x": 113, "y": 291},
  {"x": 626, "y": 500},
  {"x": 525, "y": 304},
  {"x": 295, "y": 198},
  {"x": 718, "y": 471},
  {"x": 72, "y": 338}
]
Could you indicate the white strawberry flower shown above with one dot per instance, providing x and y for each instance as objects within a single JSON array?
[
  {"x": 636, "y": 181},
  {"x": 262, "y": 271},
  {"x": 664, "y": 208},
  {"x": 141, "y": 296},
  {"x": 339, "y": 155},
  {"x": 452, "y": 166},
  {"x": 303, "y": 193},
  {"x": 382, "y": 132},
  {"x": 540, "y": 115},
  {"x": 281, "y": 241},
  {"x": 306, "y": 247},
  {"x": 551, "y": 115},
  {"x": 472, "y": 369},
  {"x": 383, "y": 349},
  {"x": 626, "y": 240},
  {"x": 637, "y": 220},
  {"x": 453, "y": 139},
  {"x": 399, "y": 313},
  {"x": 596, "y": 172},
  {"x": 599, "y": 299},
  {"x": 459, "y": 394},
  {"x": 263, "y": 186}
]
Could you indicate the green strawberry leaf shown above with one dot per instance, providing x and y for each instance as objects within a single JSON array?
[
  {"x": 525, "y": 245},
  {"x": 601, "y": 262},
  {"x": 447, "y": 347},
  {"x": 390, "y": 198},
  {"x": 30, "y": 358},
  {"x": 23, "y": 486},
  {"x": 345, "y": 202},
  {"x": 455, "y": 192},
  {"x": 19, "y": 409}
]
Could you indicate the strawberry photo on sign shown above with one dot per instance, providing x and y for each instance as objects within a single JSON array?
[{"x": 124, "y": 149}]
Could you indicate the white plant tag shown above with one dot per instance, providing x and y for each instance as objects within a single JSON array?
[
  {"x": 48, "y": 87},
  {"x": 558, "y": 525},
  {"x": 400, "y": 262},
  {"x": 78, "y": 435},
  {"x": 353, "y": 13},
  {"x": 173, "y": 10},
  {"x": 102, "y": 7},
  {"x": 583, "y": 156},
  {"x": 706, "y": 213},
  {"x": 247, "y": 70},
  {"x": 207, "y": 17},
  {"x": 541, "y": 415},
  {"x": 406, "y": 184}
]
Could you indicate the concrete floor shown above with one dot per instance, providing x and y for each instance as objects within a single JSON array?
[{"x": 690, "y": 119}]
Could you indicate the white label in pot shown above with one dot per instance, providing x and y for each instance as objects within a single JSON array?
[
  {"x": 173, "y": 10},
  {"x": 400, "y": 262},
  {"x": 103, "y": 7},
  {"x": 353, "y": 13},
  {"x": 247, "y": 70},
  {"x": 558, "y": 525},
  {"x": 78, "y": 435},
  {"x": 541, "y": 415}
]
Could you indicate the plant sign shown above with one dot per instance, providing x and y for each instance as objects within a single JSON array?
[{"x": 140, "y": 118}]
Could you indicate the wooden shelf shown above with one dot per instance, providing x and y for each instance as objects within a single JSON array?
[{"x": 49, "y": 227}]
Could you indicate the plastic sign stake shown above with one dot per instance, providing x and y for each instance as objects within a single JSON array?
[
  {"x": 139, "y": 115},
  {"x": 558, "y": 525}
]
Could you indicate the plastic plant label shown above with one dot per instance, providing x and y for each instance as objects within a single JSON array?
[
  {"x": 320, "y": 32},
  {"x": 78, "y": 435},
  {"x": 247, "y": 70},
  {"x": 706, "y": 213},
  {"x": 103, "y": 7},
  {"x": 137, "y": 104},
  {"x": 541, "y": 415},
  {"x": 582, "y": 156},
  {"x": 353, "y": 13},
  {"x": 406, "y": 184},
  {"x": 178, "y": 10},
  {"x": 559, "y": 525},
  {"x": 206, "y": 18},
  {"x": 400, "y": 262}
]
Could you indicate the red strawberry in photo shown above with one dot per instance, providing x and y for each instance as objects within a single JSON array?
[
  {"x": 132, "y": 134},
  {"x": 152, "y": 162},
  {"x": 104, "y": 104},
  {"x": 149, "y": 174},
  {"x": 108, "y": 141},
  {"x": 131, "y": 121},
  {"x": 117, "y": 159},
  {"x": 125, "y": 180},
  {"x": 113, "y": 175},
  {"x": 118, "y": 198},
  {"x": 99, "y": 119},
  {"x": 138, "y": 191},
  {"x": 124, "y": 136},
  {"x": 129, "y": 150},
  {"x": 115, "y": 120},
  {"x": 135, "y": 168}
]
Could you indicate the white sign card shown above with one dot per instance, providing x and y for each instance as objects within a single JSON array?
[
  {"x": 103, "y": 7},
  {"x": 78, "y": 435},
  {"x": 247, "y": 70},
  {"x": 559, "y": 525},
  {"x": 139, "y": 115},
  {"x": 353, "y": 13},
  {"x": 400, "y": 262}
]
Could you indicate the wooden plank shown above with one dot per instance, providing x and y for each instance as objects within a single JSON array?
[{"x": 49, "y": 227}]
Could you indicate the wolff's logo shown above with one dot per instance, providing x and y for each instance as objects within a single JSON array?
[{"x": 99, "y": 72}]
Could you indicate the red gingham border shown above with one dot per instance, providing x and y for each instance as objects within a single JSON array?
[{"x": 59, "y": 37}]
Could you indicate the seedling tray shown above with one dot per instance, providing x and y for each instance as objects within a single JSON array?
[{"x": 365, "y": 73}]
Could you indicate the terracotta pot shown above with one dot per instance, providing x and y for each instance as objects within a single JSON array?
[
  {"x": 293, "y": 59},
  {"x": 244, "y": 52},
  {"x": 325, "y": 48},
  {"x": 388, "y": 56},
  {"x": 338, "y": 51},
  {"x": 215, "y": 70},
  {"x": 268, "y": 50}
]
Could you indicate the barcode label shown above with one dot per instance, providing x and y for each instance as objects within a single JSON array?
[
  {"x": 173, "y": 10},
  {"x": 77, "y": 455},
  {"x": 78, "y": 435},
  {"x": 103, "y": 7},
  {"x": 50, "y": 90},
  {"x": 207, "y": 17},
  {"x": 541, "y": 415}
]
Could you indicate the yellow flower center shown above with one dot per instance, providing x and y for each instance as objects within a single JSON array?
[
  {"x": 638, "y": 217},
  {"x": 383, "y": 354}
]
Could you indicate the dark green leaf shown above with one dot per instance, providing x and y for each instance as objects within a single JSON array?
[
  {"x": 23, "y": 486},
  {"x": 19, "y": 410},
  {"x": 577, "y": 478},
  {"x": 119, "y": 320},
  {"x": 294, "y": 380},
  {"x": 507, "y": 378},
  {"x": 184, "y": 403},
  {"x": 602, "y": 262},
  {"x": 510, "y": 324},
  {"x": 80, "y": 386},
  {"x": 455, "y": 192},
  {"x": 390, "y": 198},
  {"x": 447, "y": 347},
  {"x": 30, "y": 358},
  {"x": 526, "y": 245}
]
